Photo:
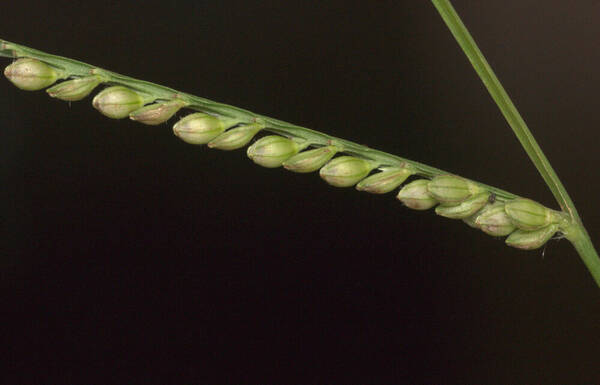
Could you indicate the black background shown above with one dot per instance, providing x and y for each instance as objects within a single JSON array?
[{"x": 130, "y": 255}]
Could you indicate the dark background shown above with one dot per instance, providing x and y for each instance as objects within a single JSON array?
[{"x": 130, "y": 255}]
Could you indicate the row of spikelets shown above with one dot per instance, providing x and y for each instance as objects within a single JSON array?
[{"x": 527, "y": 224}]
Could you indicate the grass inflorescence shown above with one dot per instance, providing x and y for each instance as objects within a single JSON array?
[
  {"x": 341, "y": 163},
  {"x": 454, "y": 196}
]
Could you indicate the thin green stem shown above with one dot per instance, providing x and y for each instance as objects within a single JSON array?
[
  {"x": 582, "y": 243},
  {"x": 579, "y": 236}
]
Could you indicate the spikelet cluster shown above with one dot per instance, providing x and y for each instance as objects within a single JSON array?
[
  {"x": 528, "y": 224},
  {"x": 525, "y": 223}
]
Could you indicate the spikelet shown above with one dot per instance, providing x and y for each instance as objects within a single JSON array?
[
  {"x": 31, "y": 74},
  {"x": 452, "y": 189},
  {"x": 385, "y": 181},
  {"x": 493, "y": 220},
  {"x": 346, "y": 171},
  {"x": 529, "y": 215},
  {"x": 271, "y": 151},
  {"x": 416, "y": 196},
  {"x": 117, "y": 102},
  {"x": 74, "y": 89},
  {"x": 201, "y": 128},
  {"x": 311, "y": 160},
  {"x": 157, "y": 113},
  {"x": 235, "y": 138},
  {"x": 465, "y": 208},
  {"x": 529, "y": 240}
]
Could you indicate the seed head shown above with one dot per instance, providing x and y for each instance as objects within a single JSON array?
[
  {"x": 451, "y": 189},
  {"x": 528, "y": 215},
  {"x": 311, "y": 160},
  {"x": 529, "y": 240},
  {"x": 271, "y": 151},
  {"x": 235, "y": 138},
  {"x": 117, "y": 102},
  {"x": 385, "y": 181},
  {"x": 493, "y": 220},
  {"x": 465, "y": 208},
  {"x": 157, "y": 113},
  {"x": 30, "y": 74},
  {"x": 74, "y": 89},
  {"x": 346, "y": 171}
]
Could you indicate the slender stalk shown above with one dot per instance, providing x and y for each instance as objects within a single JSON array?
[
  {"x": 580, "y": 239},
  {"x": 577, "y": 233}
]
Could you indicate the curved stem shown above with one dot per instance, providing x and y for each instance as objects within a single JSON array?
[{"x": 581, "y": 241}]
